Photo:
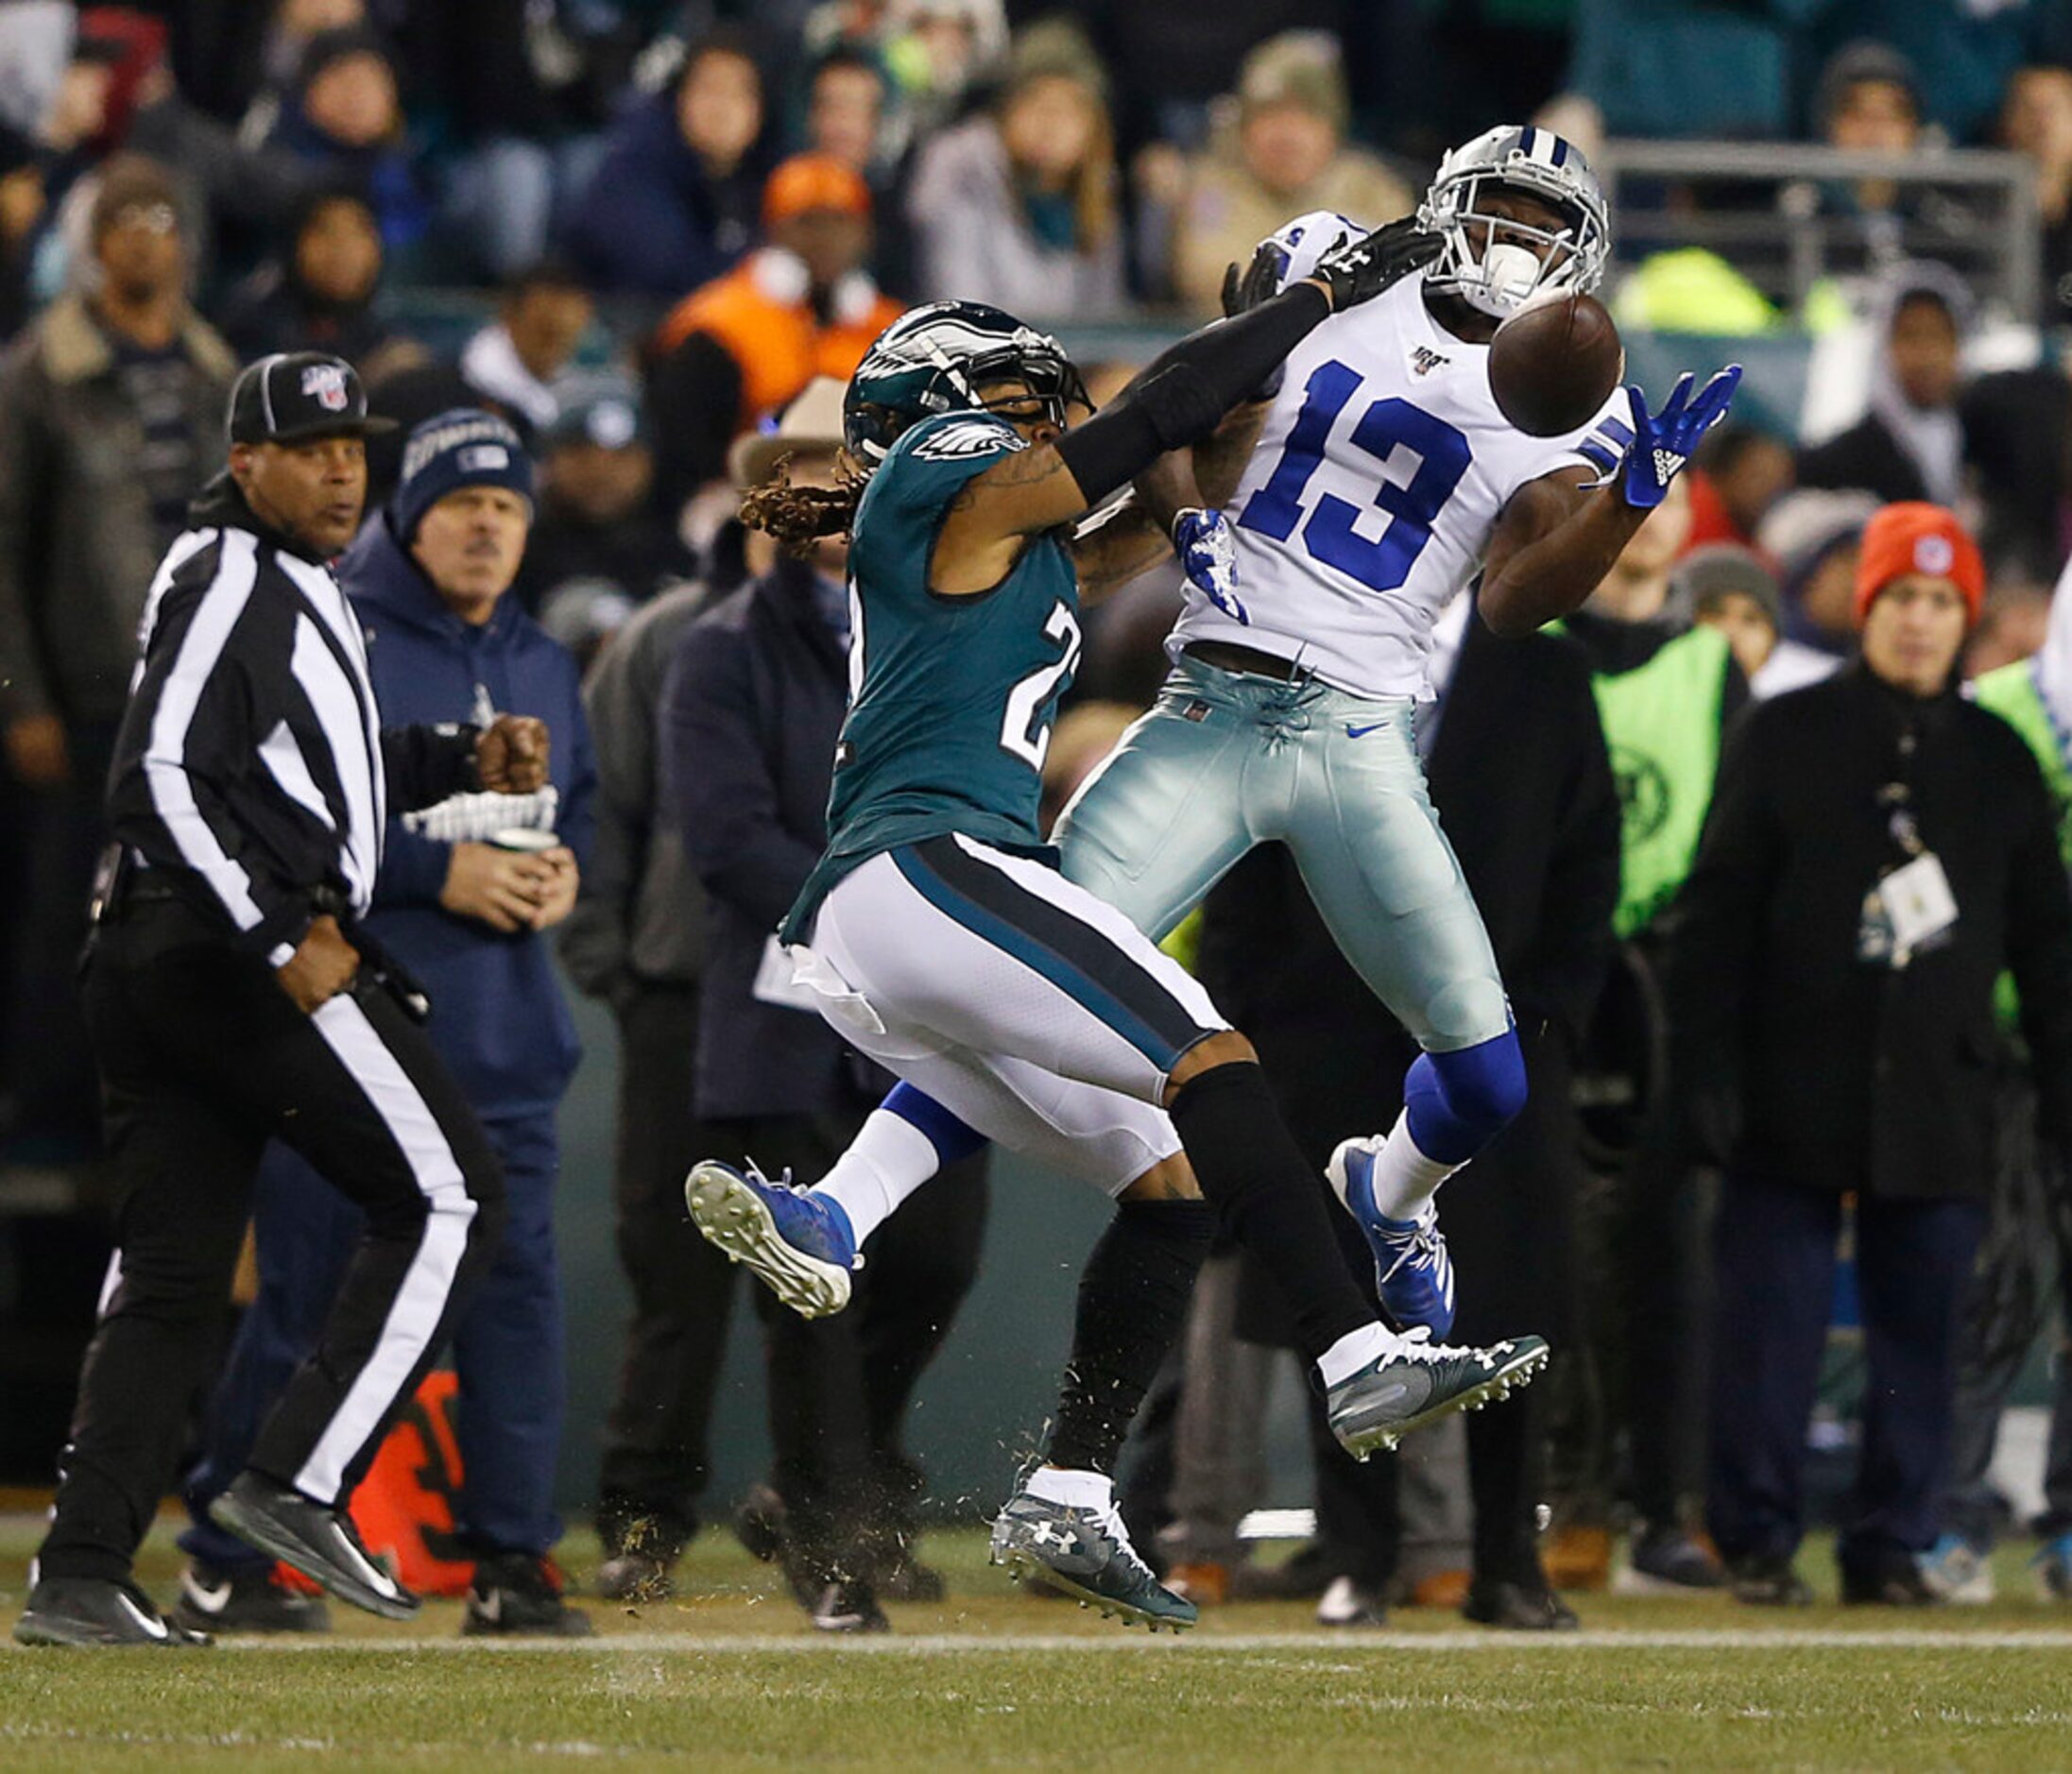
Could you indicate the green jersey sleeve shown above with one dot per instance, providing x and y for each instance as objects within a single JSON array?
[{"x": 911, "y": 493}]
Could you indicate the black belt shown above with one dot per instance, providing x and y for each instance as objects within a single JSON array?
[{"x": 1227, "y": 656}]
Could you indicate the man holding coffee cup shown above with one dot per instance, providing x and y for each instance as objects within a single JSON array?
[{"x": 465, "y": 889}]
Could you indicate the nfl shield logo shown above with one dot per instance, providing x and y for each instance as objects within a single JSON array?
[{"x": 328, "y": 384}]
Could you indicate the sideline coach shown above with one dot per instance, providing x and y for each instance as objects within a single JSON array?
[{"x": 233, "y": 998}]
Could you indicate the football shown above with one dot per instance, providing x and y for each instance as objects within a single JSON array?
[{"x": 1554, "y": 363}]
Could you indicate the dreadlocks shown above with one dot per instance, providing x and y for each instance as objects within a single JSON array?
[{"x": 797, "y": 516}]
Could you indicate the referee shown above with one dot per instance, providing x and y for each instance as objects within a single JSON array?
[{"x": 233, "y": 998}]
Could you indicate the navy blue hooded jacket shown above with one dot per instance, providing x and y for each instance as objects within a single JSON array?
[
  {"x": 653, "y": 221},
  {"x": 498, "y": 1018}
]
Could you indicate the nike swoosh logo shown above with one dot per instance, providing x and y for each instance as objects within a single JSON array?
[
  {"x": 490, "y": 1607},
  {"x": 1362, "y": 732},
  {"x": 156, "y": 1628},
  {"x": 200, "y": 1595}
]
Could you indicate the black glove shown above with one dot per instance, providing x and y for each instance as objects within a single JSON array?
[
  {"x": 1242, "y": 291},
  {"x": 1361, "y": 270}
]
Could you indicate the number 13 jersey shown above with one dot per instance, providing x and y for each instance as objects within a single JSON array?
[{"x": 1371, "y": 497}]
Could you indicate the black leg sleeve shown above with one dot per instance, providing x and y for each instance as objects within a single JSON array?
[
  {"x": 1273, "y": 1204},
  {"x": 1132, "y": 1301}
]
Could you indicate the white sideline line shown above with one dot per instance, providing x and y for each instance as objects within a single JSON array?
[{"x": 1333, "y": 1642}]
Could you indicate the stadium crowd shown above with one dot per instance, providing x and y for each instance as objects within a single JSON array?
[{"x": 646, "y": 241}]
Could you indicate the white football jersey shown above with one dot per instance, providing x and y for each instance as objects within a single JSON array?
[{"x": 1373, "y": 492}]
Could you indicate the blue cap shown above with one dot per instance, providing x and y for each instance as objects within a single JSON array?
[{"x": 463, "y": 447}]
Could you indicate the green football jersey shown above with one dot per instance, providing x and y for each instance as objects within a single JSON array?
[{"x": 950, "y": 698}]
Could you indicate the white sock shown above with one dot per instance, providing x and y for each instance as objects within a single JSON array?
[
  {"x": 885, "y": 1164},
  {"x": 1404, "y": 1179},
  {"x": 1075, "y": 1487},
  {"x": 1354, "y": 1351}
]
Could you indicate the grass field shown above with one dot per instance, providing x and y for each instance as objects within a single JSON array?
[{"x": 729, "y": 1677}]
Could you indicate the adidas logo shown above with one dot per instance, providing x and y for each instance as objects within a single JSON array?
[{"x": 1667, "y": 462}]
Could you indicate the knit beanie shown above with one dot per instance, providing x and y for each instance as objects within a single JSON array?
[{"x": 462, "y": 447}]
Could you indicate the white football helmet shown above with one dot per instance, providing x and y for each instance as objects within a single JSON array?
[{"x": 1513, "y": 262}]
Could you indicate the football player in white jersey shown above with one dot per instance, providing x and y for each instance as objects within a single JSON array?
[{"x": 1383, "y": 476}]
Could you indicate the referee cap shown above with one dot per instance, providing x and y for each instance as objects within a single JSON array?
[{"x": 294, "y": 396}]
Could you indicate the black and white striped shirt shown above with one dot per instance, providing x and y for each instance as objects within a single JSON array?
[{"x": 251, "y": 763}]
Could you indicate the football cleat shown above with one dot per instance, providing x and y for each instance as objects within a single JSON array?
[
  {"x": 321, "y": 1543},
  {"x": 1956, "y": 1570},
  {"x": 77, "y": 1611},
  {"x": 1420, "y": 1381},
  {"x": 252, "y": 1599},
  {"x": 1411, "y": 1270},
  {"x": 796, "y": 1243},
  {"x": 1085, "y": 1553}
]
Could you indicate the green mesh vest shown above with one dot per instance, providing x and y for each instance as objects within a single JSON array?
[
  {"x": 1662, "y": 728},
  {"x": 2012, "y": 693}
]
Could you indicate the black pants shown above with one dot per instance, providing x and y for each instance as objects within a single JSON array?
[
  {"x": 203, "y": 1059},
  {"x": 657, "y": 1449},
  {"x": 840, "y": 1387},
  {"x": 1775, "y": 1246}
]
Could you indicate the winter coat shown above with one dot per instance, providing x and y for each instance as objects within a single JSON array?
[
  {"x": 498, "y": 1017},
  {"x": 1841, "y": 1072},
  {"x": 77, "y": 540}
]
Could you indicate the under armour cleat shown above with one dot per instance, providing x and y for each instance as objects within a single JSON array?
[
  {"x": 1411, "y": 1270},
  {"x": 1420, "y": 1381},
  {"x": 1086, "y": 1553},
  {"x": 796, "y": 1243}
]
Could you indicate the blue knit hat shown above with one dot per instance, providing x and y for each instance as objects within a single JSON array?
[{"x": 462, "y": 447}]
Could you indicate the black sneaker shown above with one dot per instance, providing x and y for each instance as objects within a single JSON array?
[
  {"x": 760, "y": 1523},
  {"x": 1518, "y": 1607},
  {"x": 849, "y": 1606},
  {"x": 906, "y": 1578},
  {"x": 635, "y": 1576},
  {"x": 321, "y": 1543},
  {"x": 247, "y": 1600},
  {"x": 518, "y": 1595},
  {"x": 1768, "y": 1581},
  {"x": 1669, "y": 1561},
  {"x": 1086, "y": 1553},
  {"x": 1894, "y": 1582},
  {"x": 97, "y": 1611},
  {"x": 1348, "y": 1603}
]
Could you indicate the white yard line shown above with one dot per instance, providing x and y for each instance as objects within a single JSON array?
[{"x": 1320, "y": 1642}]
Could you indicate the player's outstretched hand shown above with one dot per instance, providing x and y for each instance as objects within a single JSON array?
[
  {"x": 1209, "y": 559},
  {"x": 1664, "y": 441},
  {"x": 1243, "y": 290},
  {"x": 1361, "y": 270}
]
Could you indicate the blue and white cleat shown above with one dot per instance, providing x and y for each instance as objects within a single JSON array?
[
  {"x": 799, "y": 1244},
  {"x": 1411, "y": 1270}
]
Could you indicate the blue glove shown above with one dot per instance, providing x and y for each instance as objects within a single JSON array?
[
  {"x": 1209, "y": 559},
  {"x": 1664, "y": 442}
]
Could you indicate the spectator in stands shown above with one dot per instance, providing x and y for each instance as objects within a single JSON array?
[
  {"x": 23, "y": 209},
  {"x": 2036, "y": 120},
  {"x": 466, "y": 892},
  {"x": 295, "y": 25},
  {"x": 320, "y": 292},
  {"x": 1018, "y": 207},
  {"x": 1910, "y": 444},
  {"x": 1740, "y": 471},
  {"x": 1813, "y": 535},
  {"x": 751, "y": 708},
  {"x": 518, "y": 359},
  {"x": 1880, "y": 849},
  {"x": 848, "y": 117},
  {"x": 598, "y": 533},
  {"x": 745, "y": 343},
  {"x": 111, "y": 418},
  {"x": 672, "y": 203},
  {"x": 1869, "y": 102},
  {"x": 1286, "y": 154},
  {"x": 1733, "y": 589},
  {"x": 943, "y": 51},
  {"x": 346, "y": 121}
]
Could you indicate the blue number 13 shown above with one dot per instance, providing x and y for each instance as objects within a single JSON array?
[{"x": 1382, "y": 564}]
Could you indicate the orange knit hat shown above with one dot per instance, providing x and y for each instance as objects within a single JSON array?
[
  {"x": 814, "y": 181},
  {"x": 1917, "y": 538}
]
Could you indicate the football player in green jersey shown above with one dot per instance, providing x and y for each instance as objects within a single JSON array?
[{"x": 938, "y": 936}]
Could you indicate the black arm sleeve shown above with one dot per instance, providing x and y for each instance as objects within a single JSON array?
[
  {"x": 1185, "y": 391},
  {"x": 426, "y": 763}
]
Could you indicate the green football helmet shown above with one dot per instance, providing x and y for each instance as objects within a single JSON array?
[{"x": 934, "y": 359}]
